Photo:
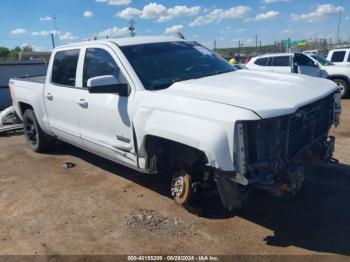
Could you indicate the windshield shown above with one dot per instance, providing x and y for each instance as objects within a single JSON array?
[
  {"x": 321, "y": 60},
  {"x": 159, "y": 65}
]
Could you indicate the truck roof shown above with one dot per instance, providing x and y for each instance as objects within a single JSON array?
[{"x": 125, "y": 41}]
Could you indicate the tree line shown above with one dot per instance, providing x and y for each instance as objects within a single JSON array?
[{"x": 7, "y": 54}]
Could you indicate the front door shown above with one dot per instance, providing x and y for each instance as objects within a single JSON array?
[
  {"x": 61, "y": 96},
  {"x": 105, "y": 124},
  {"x": 306, "y": 66}
]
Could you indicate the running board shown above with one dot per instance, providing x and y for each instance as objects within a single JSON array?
[{"x": 10, "y": 128}]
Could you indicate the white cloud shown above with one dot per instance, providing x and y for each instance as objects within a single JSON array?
[
  {"x": 46, "y": 18},
  {"x": 68, "y": 36},
  {"x": 88, "y": 14},
  {"x": 114, "y": 2},
  {"x": 321, "y": 12},
  {"x": 18, "y": 31},
  {"x": 128, "y": 13},
  {"x": 264, "y": 16},
  {"x": 219, "y": 14},
  {"x": 153, "y": 10},
  {"x": 159, "y": 12},
  {"x": 236, "y": 40},
  {"x": 179, "y": 11},
  {"x": 287, "y": 31},
  {"x": 45, "y": 33},
  {"x": 173, "y": 29},
  {"x": 273, "y": 1},
  {"x": 113, "y": 32}
]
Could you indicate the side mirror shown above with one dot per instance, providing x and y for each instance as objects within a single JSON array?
[
  {"x": 316, "y": 65},
  {"x": 107, "y": 84}
]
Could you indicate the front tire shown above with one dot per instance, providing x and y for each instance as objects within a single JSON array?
[
  {"x": 343, "y": 86},
  {"x": 37, "y": 139}
]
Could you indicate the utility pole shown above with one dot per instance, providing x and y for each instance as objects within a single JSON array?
[
  {"x": 132, "y": 27},
  {"x": 260, "y": 46},
  {"x": 214, "y": 45},
  {"x": 239, "y": 47},
  {"x": 339, "y": 20},
  {"x": 256, "y": 44},
  {"x": 289, "y": 44}
]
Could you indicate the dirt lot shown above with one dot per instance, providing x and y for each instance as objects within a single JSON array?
[{"x": 99, "y": 207}]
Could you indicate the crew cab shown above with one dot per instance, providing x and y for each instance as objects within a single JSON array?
[
  {"x": 308, "y": 64},
  {"x": 163, "y": 105}
]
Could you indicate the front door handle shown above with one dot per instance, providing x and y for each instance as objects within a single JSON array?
[
  {"x": 49, "y": 96},
  {"x": 83, "y": 103}
]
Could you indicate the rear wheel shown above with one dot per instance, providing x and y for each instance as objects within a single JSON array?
[
  {"x": 343, "y": 86},
  {"x": 38, "y": 140}
]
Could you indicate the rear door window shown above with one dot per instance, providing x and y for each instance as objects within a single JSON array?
[
  {"x": 349, "y": 57},
  {"x": 65, "y": 67},
  {"x": 261, "y": 61},
  {"x": 281, "y": 61},
  {"x": 338, "y": 56}
]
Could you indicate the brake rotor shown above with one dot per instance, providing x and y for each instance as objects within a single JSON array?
[{"x": 181, "y": 188}]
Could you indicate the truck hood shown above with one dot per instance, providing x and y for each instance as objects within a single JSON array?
[{"x": 268, "y": 94}]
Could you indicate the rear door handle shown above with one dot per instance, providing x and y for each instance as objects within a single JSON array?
[
  {"x": 49, "y": 96},
  {"x": 83, "y": 103}
]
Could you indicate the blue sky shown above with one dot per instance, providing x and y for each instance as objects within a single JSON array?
[{"x": 227, "y": 21}]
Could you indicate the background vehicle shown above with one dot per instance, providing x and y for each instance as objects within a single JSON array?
[
  {"x": 163, "y": 105},
  {"x": 287, "y": 63},
  {"x": 312, "y": 65},
  {"x": 339, "y": 74},
  {"x": 339, "y": 56}
]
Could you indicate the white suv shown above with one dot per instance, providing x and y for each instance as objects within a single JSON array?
[
  {"x": 339, "y": 56},
  {"x": 312, "y": 65}
]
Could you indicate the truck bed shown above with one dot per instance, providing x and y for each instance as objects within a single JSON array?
[{"x": 33, "y": 79}]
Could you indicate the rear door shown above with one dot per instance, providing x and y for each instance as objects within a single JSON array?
[
  {"x": 60, "y": 95},
  {"x": 105, "y": 123},
  {"x": 306, "y": 66},
  {"x": 280, "y": 64}
]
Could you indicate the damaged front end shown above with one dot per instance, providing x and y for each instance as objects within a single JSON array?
[{"x": 270, "y": 153}]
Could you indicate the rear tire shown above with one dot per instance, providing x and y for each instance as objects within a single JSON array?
[
  {"x": 38, "y": 140},
  {"x": 343, "y": 86}
]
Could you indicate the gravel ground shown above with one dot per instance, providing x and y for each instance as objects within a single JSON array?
[{"x": 99, "y": 207}]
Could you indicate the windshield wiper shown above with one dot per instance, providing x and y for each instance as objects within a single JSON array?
[{"x": 166, "y": 85}]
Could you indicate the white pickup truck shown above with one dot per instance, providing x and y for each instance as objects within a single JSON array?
[{"x": 164, "y": 105}]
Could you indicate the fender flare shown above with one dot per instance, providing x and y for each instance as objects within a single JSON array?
[{"x": 204, "y": 135}]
